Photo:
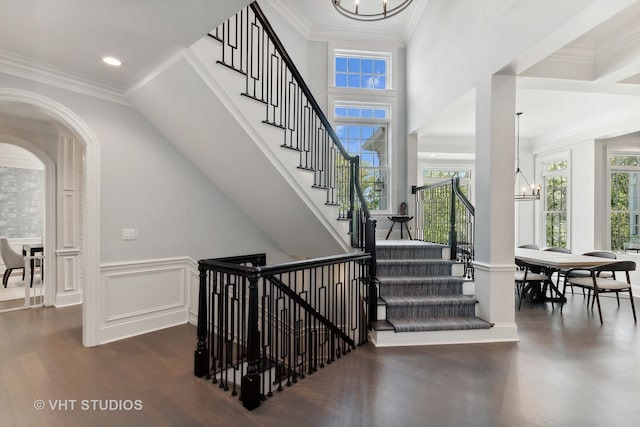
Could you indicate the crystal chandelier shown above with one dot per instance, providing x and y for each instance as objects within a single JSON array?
[
  {"x": 523, "y": 189},
  {"x": 368, "y": 12}
]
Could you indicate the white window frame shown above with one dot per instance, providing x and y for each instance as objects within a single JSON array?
[
  {"x": 371, "y": 121},
  {"x": 386, "y": 56},
  {"x": 610, "y": 152},
  {"x": 544, "y": 174}
]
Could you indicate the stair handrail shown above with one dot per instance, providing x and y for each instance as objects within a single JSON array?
[
  {"x": 353, "y": 205},
  {"x": 312, "y": 100}
]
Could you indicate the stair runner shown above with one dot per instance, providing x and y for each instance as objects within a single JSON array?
[{"x": 419, "y": 291}]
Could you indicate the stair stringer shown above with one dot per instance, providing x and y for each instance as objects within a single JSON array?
[{"x": 188, "y": 105}]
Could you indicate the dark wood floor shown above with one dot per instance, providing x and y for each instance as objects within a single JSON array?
[{"x": 567, "y": 370}]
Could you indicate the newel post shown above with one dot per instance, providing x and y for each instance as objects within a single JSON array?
[
  {"x": 250, "y": 384},
  {"x": 370, "y": 248},
  {"x": 201, "y": 355}
]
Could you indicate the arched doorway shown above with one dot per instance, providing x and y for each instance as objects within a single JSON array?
[{"x": 33, "y": 110}]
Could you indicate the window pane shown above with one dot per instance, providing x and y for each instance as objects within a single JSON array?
[
  {"x": 341, "y": 80},
  {"x": 380, "y": 66},
  {"x": 367, "y": 66},
  {"x": 341, "y": 111},
  {"x": 354, "y": 80},
  {"x": 354, "y": 65}
]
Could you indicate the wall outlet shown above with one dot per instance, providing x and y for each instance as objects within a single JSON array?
[{"x": 129, "y": 233}]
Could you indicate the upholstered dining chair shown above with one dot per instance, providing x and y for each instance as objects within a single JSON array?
[
  {"x": 584, "y": 273},
  {"x": 11, "y": 259},
  {"x": 598, "y": 284}
]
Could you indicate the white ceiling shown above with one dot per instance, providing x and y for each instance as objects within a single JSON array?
[
  {"x": 594, "y": 79},
  {"x": 71, "y": 36}
]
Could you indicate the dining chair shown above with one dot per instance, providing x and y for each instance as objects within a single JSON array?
[
  {"x": 11, "y": 259},
  {"x": 557, "y": 249},
  {"x": 599, "y": 285},
  {"x": 527, "y": 279},
  {"x": 529, "y": 246},
  {"x": 584, "y": 273}
]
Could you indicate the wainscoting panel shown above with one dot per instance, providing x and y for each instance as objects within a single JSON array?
[{"x": 144, "y": 296}]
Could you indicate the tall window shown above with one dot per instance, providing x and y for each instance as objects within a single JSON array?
[
  {"x": 625, "y": 196},
  {"x": 555, "y": 175},
  {"x": 363, "y": 130},
  {"x": 361, "y": 71}
]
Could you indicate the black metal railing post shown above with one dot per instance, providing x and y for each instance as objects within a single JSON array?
[
  {"x": 201, "y": 355},
  {"x": 370, "y": 248},
  {"x": 250, "y": 384},
  {"x": 453, "y": 236}
]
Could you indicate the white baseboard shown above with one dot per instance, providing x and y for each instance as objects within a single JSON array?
[{"x": 67, "y": 299}]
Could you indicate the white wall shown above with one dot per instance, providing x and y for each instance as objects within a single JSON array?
[
  {"x": 148, "y": 185},
  {"x": 582, "y": 199}
]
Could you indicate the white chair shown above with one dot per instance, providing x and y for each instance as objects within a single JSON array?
[{"x": 11, "y": 259}]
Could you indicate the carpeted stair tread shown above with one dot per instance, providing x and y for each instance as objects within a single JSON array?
[
  {"x": 429, "y": 280},
  {"x": 421, "y": 324},
  {"x": 429, "y": 300},
  {"x": 416, "y": 285},
  {"x": 390, "y": 250}
]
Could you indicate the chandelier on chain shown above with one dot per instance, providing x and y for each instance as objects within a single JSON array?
[
  {"x": 368, "y": 11},
  {"x": 523, "y": 189}
]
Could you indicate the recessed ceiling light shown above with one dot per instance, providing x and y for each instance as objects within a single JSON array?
[{"x": 112, "y": 61}]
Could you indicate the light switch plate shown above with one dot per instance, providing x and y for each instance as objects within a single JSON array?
[{"x": 129, "y": 233}]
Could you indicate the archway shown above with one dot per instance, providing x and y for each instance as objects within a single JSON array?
[{"x": 64, "y": 117}]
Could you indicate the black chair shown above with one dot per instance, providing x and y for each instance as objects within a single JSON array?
[
  {"x": 529, "y": 246},
  {"x": 584, "y": 273},
  {"x": 557, "y": 249},
  {"x": 529, "y": 280},
  {"x": 599, "y": 285}
]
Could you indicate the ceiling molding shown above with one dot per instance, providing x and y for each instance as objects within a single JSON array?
[
  {"x": 301, "y": 25},
  {"x": 27, "y": 68},
  {"x": 617, "y": 123}
]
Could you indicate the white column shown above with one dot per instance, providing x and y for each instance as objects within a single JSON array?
[{"x": 495, "y": 160}]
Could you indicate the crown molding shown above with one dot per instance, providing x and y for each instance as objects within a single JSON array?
[{"x": 31, "y": 69}]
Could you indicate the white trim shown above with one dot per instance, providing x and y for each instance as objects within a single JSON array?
[
  {"x": 31, "y": 69},
  {"x": 91, "y": 206}
]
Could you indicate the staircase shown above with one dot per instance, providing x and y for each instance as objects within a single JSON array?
[{"x": 421, "y": 296}]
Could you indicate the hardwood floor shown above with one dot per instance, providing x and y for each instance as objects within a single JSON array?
[{"x": 567, "y": 370}]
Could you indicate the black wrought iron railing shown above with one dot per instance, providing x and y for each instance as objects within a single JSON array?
[
  {"x": 262, "y": 328},
  {"x": 444, "y": 215},
  {"x": 251, "y": 47}
]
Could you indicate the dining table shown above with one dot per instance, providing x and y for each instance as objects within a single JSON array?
[{"x": 551, "y": 262}]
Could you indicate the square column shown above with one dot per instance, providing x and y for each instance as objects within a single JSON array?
[{"x": 495, "y": 211}]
